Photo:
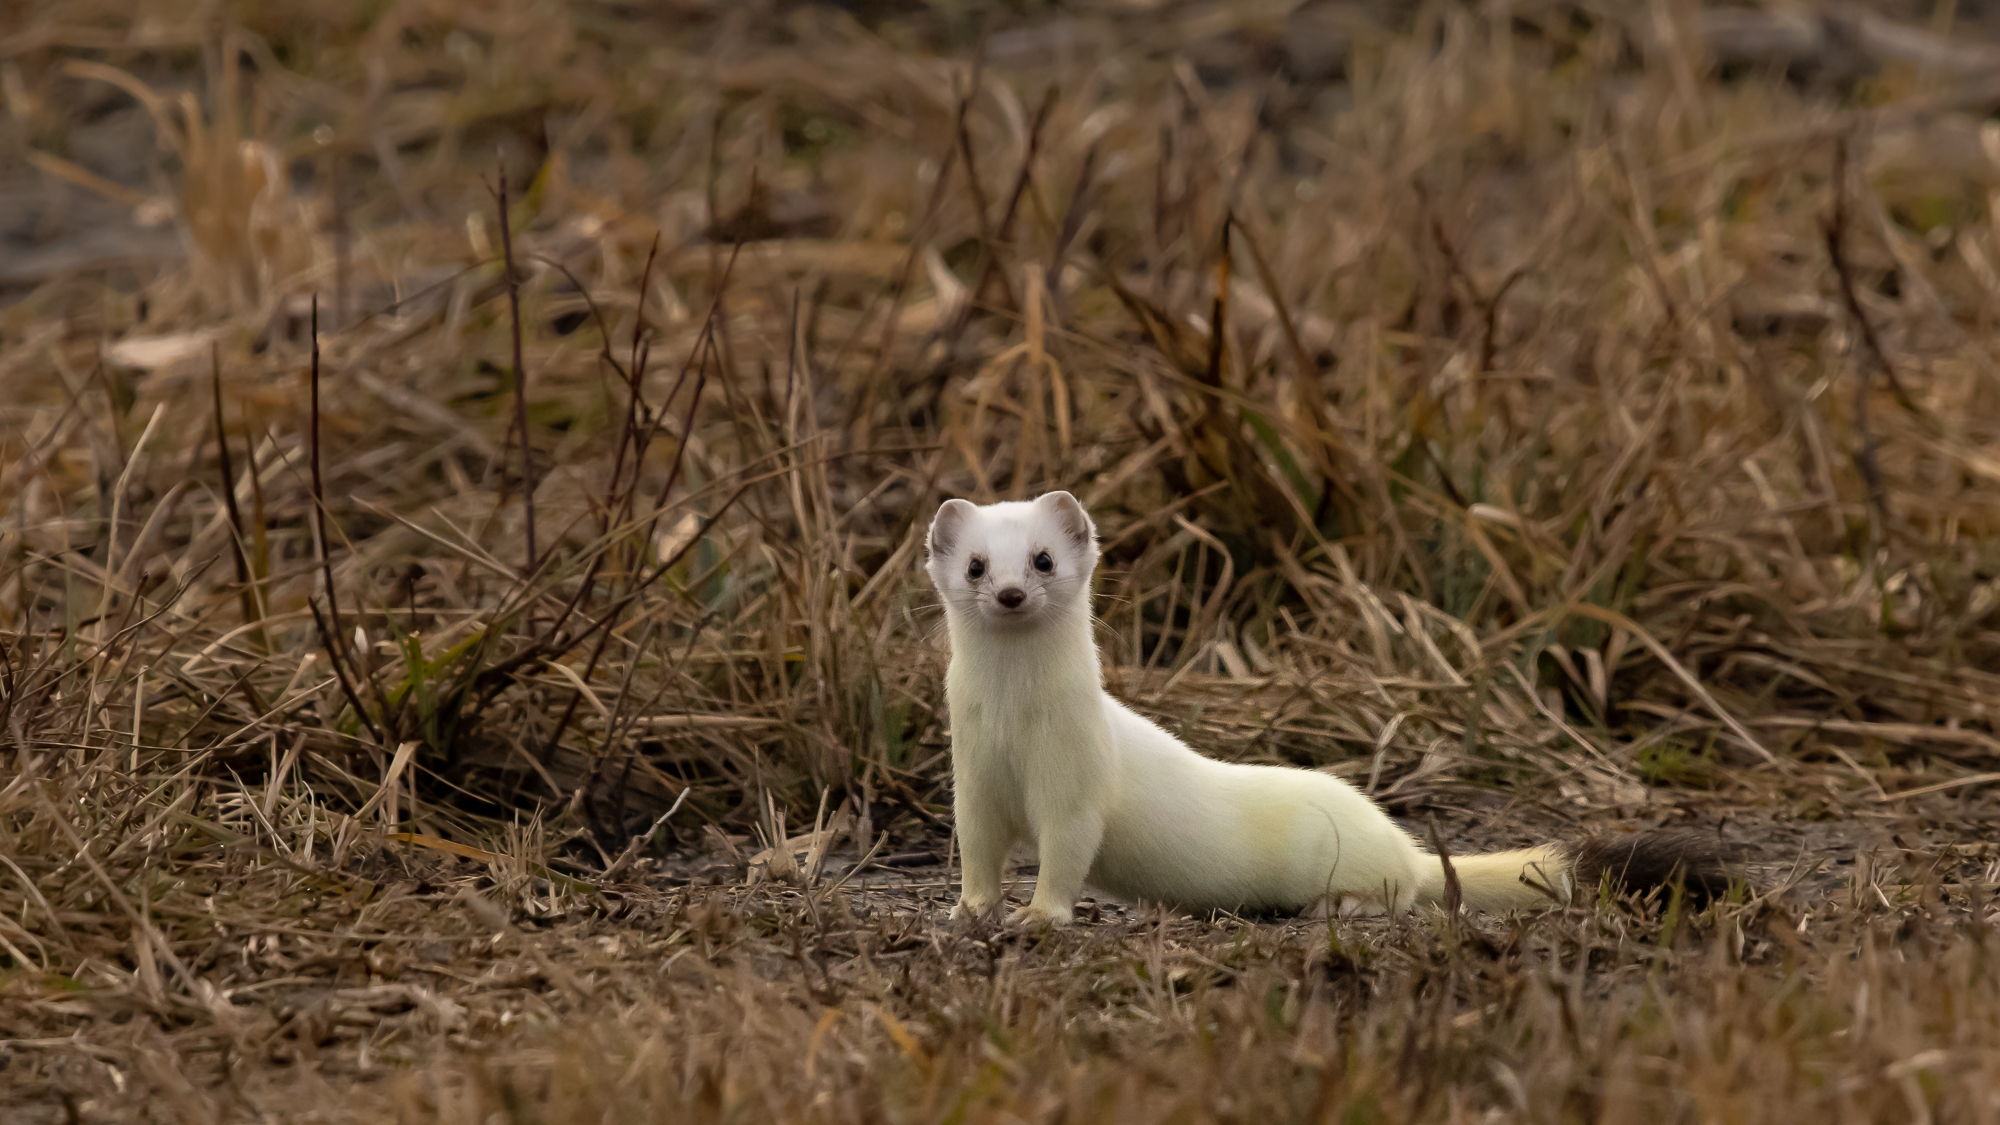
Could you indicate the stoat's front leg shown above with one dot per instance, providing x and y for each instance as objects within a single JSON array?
[
  {"x": 1066, "y": 842},
  {"x": 1069, "y": 794},
  {"x": 983, "y": 841}
]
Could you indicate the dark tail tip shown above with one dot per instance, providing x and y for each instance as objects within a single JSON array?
[{"x": 1640, "y": 862}]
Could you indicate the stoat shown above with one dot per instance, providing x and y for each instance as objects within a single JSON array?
[{"x": 1041, "y": 753}]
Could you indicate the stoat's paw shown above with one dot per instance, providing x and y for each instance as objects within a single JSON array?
[
  {"x": 1032, "y": 917},
  {"x": 970, "y": 908}
]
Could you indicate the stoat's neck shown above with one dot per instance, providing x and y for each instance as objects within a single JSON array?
[{"x": 1058, "y": 656}]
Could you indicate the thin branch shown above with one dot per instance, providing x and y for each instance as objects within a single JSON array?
[
  {"x": 1835, "y": 229},
  {"x": 520, "y": 372},
  {"x": 247, "y": 592}
]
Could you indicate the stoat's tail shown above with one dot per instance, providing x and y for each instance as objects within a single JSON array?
[{"x": 1555, "y": 874}]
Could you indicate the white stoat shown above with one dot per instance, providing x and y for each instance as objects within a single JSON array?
[{"x": 1041, "y": 753}]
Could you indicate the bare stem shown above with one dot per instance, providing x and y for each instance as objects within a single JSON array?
[{"x": 520, "y": 372}]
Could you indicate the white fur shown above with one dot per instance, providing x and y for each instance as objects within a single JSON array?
[{"x": 1042, "y": 754}]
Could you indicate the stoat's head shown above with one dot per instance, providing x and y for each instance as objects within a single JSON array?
[{"x": 1015, "y": 564}]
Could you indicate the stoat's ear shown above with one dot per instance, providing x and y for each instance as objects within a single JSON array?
[
  {"x": 1070, "y": 516},
  {"x": 948, "y": 525}
]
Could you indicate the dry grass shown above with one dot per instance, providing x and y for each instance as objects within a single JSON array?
[{"x": 1515, "y": 410}]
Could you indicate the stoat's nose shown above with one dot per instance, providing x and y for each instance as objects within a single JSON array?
[{"x": 1012, "y": 597}]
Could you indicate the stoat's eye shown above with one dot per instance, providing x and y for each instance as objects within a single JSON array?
[
  {"x": 975, "y": 570},
  {"x": 1044, "y": 563}
]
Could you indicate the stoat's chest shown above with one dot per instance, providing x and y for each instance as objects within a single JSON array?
[
  {"x": 1018, "y": 708},
  {"x": 1022, "y": 747}
]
